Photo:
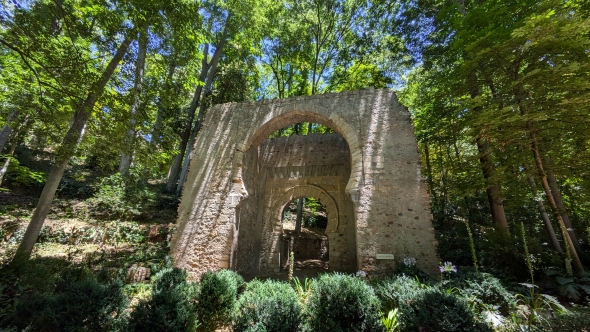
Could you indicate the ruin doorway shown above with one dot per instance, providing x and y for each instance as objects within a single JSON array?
[
  {"x": 305, "y": 243},
  {"x": 283, "y": 169}
]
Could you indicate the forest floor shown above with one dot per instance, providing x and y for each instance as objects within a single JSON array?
[{"x": 78, "y": 233}]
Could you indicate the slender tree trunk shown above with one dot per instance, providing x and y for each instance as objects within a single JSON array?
[
  {"x": 544, "y": 216},
  {"x": 162, "y": 105},
  {"x": 559, "y": 202},
  {"x": 493, "y": 190},
  {"x": 519, "y": 93},
  {"x": 64, "y": 153},
  {"x": 299, "y": 215},
  {"x": 570, "y": 245},
  {"x": 7, "y": 129},
  {"x": 186, "y": 135},
  {"x": 13, "y": 144},
  {"x": 200, "y": 118},
  {"x": 429, "y": 170},
  {"x": 4, "y": 169},
  {"x": 126, "y": 156}
]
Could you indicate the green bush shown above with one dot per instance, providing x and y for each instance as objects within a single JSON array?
[
  {"x": 339, "y": 302},
  {"x": 426, "y": 308},
  {"x": 19, "y": 175},
  {"x": 217, "y": 298},
  {"x": 79, "y": 303},
  {"x": 268, "y": 306},
  {"x": 574, "y": 321},
  {"x": 123, "y": 196},
  {"x": 172, "y": 306},
  {"x": 484, "y": 291}
]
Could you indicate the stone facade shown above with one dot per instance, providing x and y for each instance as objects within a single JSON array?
[{"x": 367, "y": 176}]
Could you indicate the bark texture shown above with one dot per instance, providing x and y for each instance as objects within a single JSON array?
[{"x": 493, "y": 190}]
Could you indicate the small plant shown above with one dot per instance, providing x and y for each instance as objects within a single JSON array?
[
  {"x": 533, "y": 304},
  {"x": 217, "y": 298},
  {"x": 291, "y": 265},
  {"x": 302, "y": 289},
  {"x": 391, "y": 322},
  {"x": 446, "y": 269},
  {"x": 268, "y": 306}
]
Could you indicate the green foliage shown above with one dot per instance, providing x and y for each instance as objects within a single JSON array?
[
  {"x": 78, "y": 303},
  {"x": 217, "y": 298},
  {"x": 123, "y": 196},
  {"x": 338, "y": 302},
  {"x": 424, "y": 307},
  {"x": 19, "y": 175},
  {"x": 576, "y": 320},
  {"x": 573, "y": 287},
  {"x": 268, "y": 306},
  {"x": 410, "y": 269},
  {"x": 172, "y": 306},
  {"x": 484, "y": 291},
  {"x": 391, "y": 322}
]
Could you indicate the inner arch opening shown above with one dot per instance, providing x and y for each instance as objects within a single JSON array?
[
  {"x": 305, "y": 241},
  {"x": 276, "y": 169}
]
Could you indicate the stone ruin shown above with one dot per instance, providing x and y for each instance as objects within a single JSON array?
[{"x": 367, "y": 175}]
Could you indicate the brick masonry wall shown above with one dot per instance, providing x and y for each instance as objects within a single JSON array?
[{"x": 389, "y": 210}]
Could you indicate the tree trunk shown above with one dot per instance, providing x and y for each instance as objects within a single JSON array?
[
  {"x": 7, "y": 161},
  {"x": 200, "y": 118},
  {"x": 570, "y": 245},
  {"x": 556, "y": 193},
  {"x": 64, "y": 153},
  {"x": 299, "y": 215},
  {"x": 127, "y": 154},
  {"x": 7, "y": 129},
  {"x": 493, "y": 190},
  {"x": 545, "y": 217},
  {"x": 429, "y": 170},
  {"x": 13, "y": 144},
  {"x": 186, "y": 135},
  {"x": 519, "y": 93},
  {"x": 155, "y": 139}
]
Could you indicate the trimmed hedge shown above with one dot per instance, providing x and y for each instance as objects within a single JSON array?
[
  {"x": 217, "y": 299},
  {"x": 268, "y": 306},
  {"x": 172, "y": 306},
  {"x": 339, "y": 302}
]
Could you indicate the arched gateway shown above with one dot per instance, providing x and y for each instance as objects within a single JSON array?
[{"x": 367, "y": 176}]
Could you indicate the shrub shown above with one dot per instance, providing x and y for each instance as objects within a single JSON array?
[
  {"x": 427, "y": 308},
  {"x": 124, "y": 196},
  {"x": 172, "y": 306},
  {"x": 574, "y": 320},
  {"x": 268, "y": 306},
  {"x": 217, "y": 298},
  {"x": 338, "y": 302},
  {"x": 79, "y": 303},
  {"x": 484, "y": 290}
]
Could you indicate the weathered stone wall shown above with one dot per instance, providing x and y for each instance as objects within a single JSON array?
[{"x": 389, "y": 205}]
